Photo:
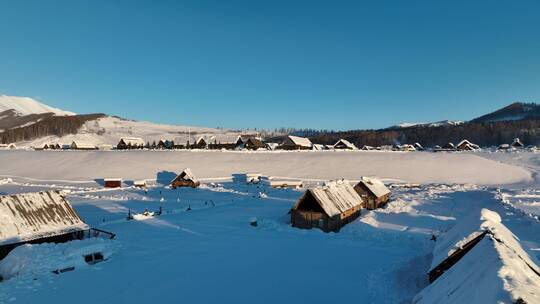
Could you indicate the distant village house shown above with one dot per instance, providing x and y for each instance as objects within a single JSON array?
[
  {"x": 344, "y": 144},
  {"x": 127, "y": 143},
  {"x": 295, "y": 143},
  {"x": 185, "y": 179}
]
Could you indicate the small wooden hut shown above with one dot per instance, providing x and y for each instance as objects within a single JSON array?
[
  {"x": 418, "y": 147},
  {"x": 327, "y": 207},
  {"x": 253, "y": 143},
  {"x": 41, "y": 217},
  {"x": 79, "y": 145},
  {"x": 112, "y": 182},
  {"x": 466, "y": 145},
  {"x": 344, "y": 144},
  {"x": 373, "y": 192},
  {"x": 517, "y": 143},
  {"x": 127, "y": 143},
  {"x": 200, "y": 143},
  {"x": 222, "y": 141},
  {"x": 295, "y": 143},
  {"x": 185, "y": 179}
]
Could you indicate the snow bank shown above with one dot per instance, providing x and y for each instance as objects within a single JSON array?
[
  {"x": 35, "y": 260},
  {"x": 413, "y": 167}
]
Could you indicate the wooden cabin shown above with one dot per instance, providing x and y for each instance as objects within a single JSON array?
[
  {"x": 200, "y": 143},
  {"x": 128, "y": 143},
  {"x": 327, "y": 207},
  {"x": 254, "y": 144},
  {"x": 344, "y": 144},
  {"x": 485, "y": 231},
  {"x": 227, "y": 142},
  {"x": 112, "y": 182},
  {"x": 466, "y": 145},
  {"x": 373, "y": 192},
  {"x": 517, "y": 143},
  {"x": 250, "y": 142},
  {"x": 185, "y": 179},
  {"x": 368, "y": 148},
  {"x": 295, "y": 143},
  {"x": 79, "y": 145},
  {"x": 42, "y": 217}
]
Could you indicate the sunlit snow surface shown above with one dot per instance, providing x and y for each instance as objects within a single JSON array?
[{"x": 202, "y": 249}]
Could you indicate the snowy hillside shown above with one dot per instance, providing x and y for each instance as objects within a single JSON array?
[
  {"x": 514, "y": 111},
  {"x": 109, "y": 130},
  {"x": 26, "y": 106},
  {"x": 429, "y": 124}
]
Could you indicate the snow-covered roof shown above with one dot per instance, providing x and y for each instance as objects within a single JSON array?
[
  {"x": 375, "y": 186},
  {"x": 347, "y": 144},
  {"x": 517, "y": 143},
  {"x": 272, "y": 146},
  {"x": 223, "y": 139},
  {"x": 335, "y": 197},
  {"x": 465, "y": 143},
  {"x": 82, "y": 145},
  {"x": 495, "y": 270},
  {"x": 318, "y": 147},
  {"x": 133, "y": 141},
  {"x": 186, "y": 174},
  {"x": 113, "y": 179},
  {"x": 299, "y": 141},
  {"x": 30, "y": 216}
]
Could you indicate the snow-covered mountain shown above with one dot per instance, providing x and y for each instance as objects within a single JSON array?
[
  {"x": 28, "y": 123},
  {"x": 514, "y": 111},
  {"x": 427, "y": 124},
  {"x": 26, "y": 106}
]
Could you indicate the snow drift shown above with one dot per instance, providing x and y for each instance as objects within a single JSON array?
[{"x": 34, "y": 260}]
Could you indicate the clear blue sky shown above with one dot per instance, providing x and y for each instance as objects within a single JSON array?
[{"x": 266, "y": 64}]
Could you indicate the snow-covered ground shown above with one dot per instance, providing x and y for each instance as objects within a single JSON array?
[
  {"x": 414, "y": 167},
  {"x": 202, "y": 249}
]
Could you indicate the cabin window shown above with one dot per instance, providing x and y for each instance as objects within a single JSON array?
[{"x": 94, "y": 258}]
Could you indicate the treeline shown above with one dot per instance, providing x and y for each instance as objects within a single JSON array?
[
  {"x": 483, "y": 134},
  {"x": 53, "y": 125}
]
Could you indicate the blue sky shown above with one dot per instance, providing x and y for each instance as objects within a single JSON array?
[{"x": 267, "y": 64}]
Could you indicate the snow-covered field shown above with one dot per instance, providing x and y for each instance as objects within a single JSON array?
[
  {"x": 202, "y": 249},
  {"x": 414, "y": 167}
]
